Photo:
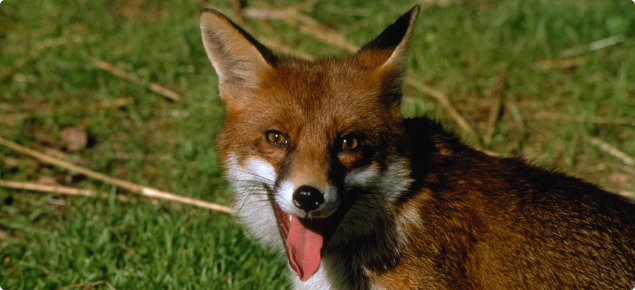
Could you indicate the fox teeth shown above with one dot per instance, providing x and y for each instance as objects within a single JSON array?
[{"x": 290, "y": 217}]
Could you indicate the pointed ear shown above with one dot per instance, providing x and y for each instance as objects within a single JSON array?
[
  {"x": 390, "y": 49},
  {"x": 239, "y": 60},
  {"x": 387, "y": 56}
]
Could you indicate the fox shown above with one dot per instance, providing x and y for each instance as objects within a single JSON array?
[{"x": 325, "y": 170}]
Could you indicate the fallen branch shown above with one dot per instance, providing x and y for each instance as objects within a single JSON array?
[
  {"x": 57, "y": 189},
  {"x": 132, "y": 187},
  {"x": 161, "y": 90},
  {"x": 628, "y": 160},
  {"x": 443, "y": 99}
]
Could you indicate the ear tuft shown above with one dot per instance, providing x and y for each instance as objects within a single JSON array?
[{"x": 239, "y": 60}]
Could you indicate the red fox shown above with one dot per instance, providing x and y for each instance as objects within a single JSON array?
[{"x": 326, "y": 170}]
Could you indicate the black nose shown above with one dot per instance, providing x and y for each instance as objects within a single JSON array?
[{"x": 307, "y": 198}]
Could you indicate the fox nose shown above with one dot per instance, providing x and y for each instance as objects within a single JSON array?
[{"x": 307, "y": 198}]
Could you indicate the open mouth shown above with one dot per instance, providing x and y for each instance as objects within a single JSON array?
[{"x": 304, "y": 241}]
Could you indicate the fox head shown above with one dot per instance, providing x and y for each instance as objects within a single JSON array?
[{"x": 316, "y": 151}]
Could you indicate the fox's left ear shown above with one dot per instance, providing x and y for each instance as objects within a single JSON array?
[
  {"x": 388, "y": 53},
  {"x": 390, "y": 48}
]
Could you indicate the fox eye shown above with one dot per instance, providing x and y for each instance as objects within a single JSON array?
[
  {"x": 350, "y": 143},
  {"x": 276, "y": 137}
]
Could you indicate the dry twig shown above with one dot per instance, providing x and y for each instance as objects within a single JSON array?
[
  {"x": 10, "y": 119},
  {"x": 613, "y": 40},
  {"x": 306, "y": 5},
  {"x": 306, "y": 25},
  {"x": 628, "y": 160},
  {"x": 443, "y": 99},
  {"x": 496, "y": 91},
  {"x": 272, "y": 43},
  {"x": 279, "y": 46},
  {"x": 441, "y": 3},
  {"x": 58, "y": 189},
  {"x": 238, "y": 10},
  {"x": 567, "y": 63},
  {"x": 597, "y": 120},
  {"x": 142, "y": 190},
  {"x": 87, "y": 286},
  {"x": 494, "y": 113},
  {"x": 114, "y": 104},
  {"x": 520, "y": 123},
  {"x": 159, "y": 89}
]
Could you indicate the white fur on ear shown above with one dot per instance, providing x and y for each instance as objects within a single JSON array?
[
  {"x": 399, "y": 55},
  {"x": 239, "y": 60}
]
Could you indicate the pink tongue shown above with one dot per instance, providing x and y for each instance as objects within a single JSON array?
[{"x": 304, "y": 244}]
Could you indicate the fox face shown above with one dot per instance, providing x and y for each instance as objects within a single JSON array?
[
  {"x": 300, "y": 166},
  {"x": 316, "y": 151}
]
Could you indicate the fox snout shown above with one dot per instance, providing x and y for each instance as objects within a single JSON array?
[
  {"x": 305, "y": 190},
  {"x": 307, "y": 201},
  {"x": 308, "y": 198}
]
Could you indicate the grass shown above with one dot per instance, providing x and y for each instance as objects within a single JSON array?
[{"x": 48, "y": 78}]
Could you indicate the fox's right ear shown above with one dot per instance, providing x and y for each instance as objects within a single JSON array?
[{"x": 240, "y": 61}]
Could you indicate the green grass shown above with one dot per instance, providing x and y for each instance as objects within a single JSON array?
[{"x": 458, "y": 49}]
